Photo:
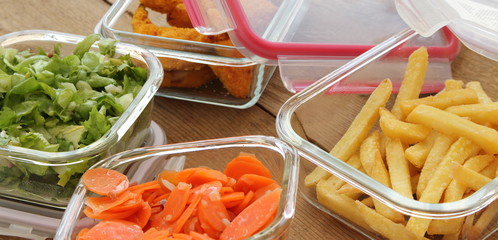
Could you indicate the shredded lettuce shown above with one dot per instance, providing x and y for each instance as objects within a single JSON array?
[{"x": 51, "y": 102}]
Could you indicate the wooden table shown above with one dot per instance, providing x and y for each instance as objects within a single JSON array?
[{"x": 176, "y": 117}]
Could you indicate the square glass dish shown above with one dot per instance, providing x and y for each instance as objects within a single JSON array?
[
  {"x": 281, "y": 159},
  {"x": 49, "y": 177},
  {"x": 206, "y": 69},
  {"x": 359, "y": 199}
]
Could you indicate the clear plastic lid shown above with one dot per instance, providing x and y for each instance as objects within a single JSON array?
[
  {"x": 475, "y": 22},
  {"x": 321, "y": 34}
]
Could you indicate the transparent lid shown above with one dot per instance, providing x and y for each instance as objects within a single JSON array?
[
  {"x": 269, "y": 30},
  {"x": 475, "y": 22}
]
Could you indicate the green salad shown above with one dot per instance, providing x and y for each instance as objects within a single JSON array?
[{"x": 56, "y": 103}]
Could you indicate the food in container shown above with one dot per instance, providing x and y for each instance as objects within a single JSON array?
[
  {"x": 197, "y": 67},
  {"x": 383, "y": 130},
  {"x": 278, "y": 157},
  {"x": 73, "y": 105}
]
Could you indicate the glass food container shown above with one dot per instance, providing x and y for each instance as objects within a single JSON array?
[
  {"x": 325, "y": 117},
  {"x": 32, "y": 176},
  {"x": 280, "y": 158},
  {"x": 209, "y": 71}
]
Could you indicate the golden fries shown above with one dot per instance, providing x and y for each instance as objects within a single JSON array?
[{"x": 434, "y": 149}]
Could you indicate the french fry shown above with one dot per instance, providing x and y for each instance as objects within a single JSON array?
[
  {"x": 332, "y": 182},
  {"x": 481, "y": 94},
  {"x": 358, "y": 131},
  {"x": 417, "y": 153},
  {"x": 413, "y": 79},
  {"x": 368, "y": 201},
  {"x": 451, "y": 84},
  {"x": 398, "y": 168},
  {"x": 440, "y": 148},
  {"x": 348, "y": 189},
  {"x": 490, "y": 170},
  {"x": 482, "y": 223},
  {"x": 454, "y": 192},
  {"x": 458, "y": 152},
  {"x": 341, "y": 205},
  {"x": 441, "y": 101},
  {"x": 408, "y": 133},
  {"x": 383, "y": 225},
  {"x": 468, "y": 177},
  {"x": 449, "y": 123},
  {"x": 370, "y": 152},
  {"x": 480, "y": 112}
]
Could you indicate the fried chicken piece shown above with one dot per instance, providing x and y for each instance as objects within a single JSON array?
[
  {"x": 188, "y": 79},
  {"x": 170, "y": 64},
  {"x": 237, "y": 80},
  {"x": 178, "y": 17}
]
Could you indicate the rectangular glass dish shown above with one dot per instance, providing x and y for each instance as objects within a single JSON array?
[
  {"x": 280, "y": 158},
  {"x": 41, "y": 185},
  {"x": 325, "y": 117},
  {"x": 212, "y": 71}
]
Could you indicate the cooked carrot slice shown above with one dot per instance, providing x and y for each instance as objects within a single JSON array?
[
  {"x": 225, "y": 190},
  {"x": 181, "y": 236},
  {"x": 154, "y": 234},
  {"x": 247, "y": 199},
  {"x": 266, "y": 189},
  {"x": 252, "y": 218},
  {"x": 212, "y": 212},
  {"x": 244, "y": 164},
  {"x": 252, "y": 182},
  {"x": 183, "y": 175},
  {"x": 168, "y": 180},
  {"x": 116, "y": 229},
  {"x": 199, "y": 236},
  {"x": 204, "y": 175},
  {"x": 100, "y": 204},
  {"x": 104, "y": 181},
  {"x": 147, "y": 186},
  {"x": 190, "y": 224},
  {"x": 107, "y": 215},
  {"x": 81, "y": 234},
  {"x": 130, "y": 204},
  {"x": 160, "y": 197},
  {"x": 186, "y": 214},
  {"x": 177, "y": 201},
  {"x": 142, "y": 216},
  {"x": 232, "y": 199}
]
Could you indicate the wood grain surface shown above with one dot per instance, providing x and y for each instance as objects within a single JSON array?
[{"x": 186, "y": 121}]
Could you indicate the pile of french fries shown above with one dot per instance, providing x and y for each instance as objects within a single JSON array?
[{"x": 434, "y": 149}]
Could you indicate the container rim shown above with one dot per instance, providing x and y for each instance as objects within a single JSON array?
[{"x": 321, "y": 158}]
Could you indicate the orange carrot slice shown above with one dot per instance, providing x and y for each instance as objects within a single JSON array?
[
  {"x": 253, "y": 217},
  {"x": 190, "y": 224},
  {"x": 199, "y": 236},
  {"x": 232, "y": 199},
  {"x": 264, "y": 190},
  {"x": 183, "y": 175},
  {"x": 186, "y": 214},
  {"x": 244, "y": 164},
  {"x": 177, "y": 201},
  {"x": 203, "y": 175},
  {"x": 147, "y": 186},
  {"x": 142, "y": 216},
  {"x": 100, "y": 204},
  {"x": 168, "y": 180},
  {"x": 181, "y": 236},
  {"x": 212, "y": 211},
  {"x": 116, "y": 229},
  {"x": 154, "y": 234},
  {"x": 103, "y": 181},
  {"x": 133, "y": 203},
  {"x": 81, "y": 234},
  {"x": 107, "y": 215},
  {"x": 252, "y": 182},
  {"x": 247, "y": 199}
]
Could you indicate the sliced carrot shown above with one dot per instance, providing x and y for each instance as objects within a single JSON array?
[
  {"x": 128, "y": 205},
  {"x": 252, "y": 182},
  {"x": 154, "y": 234},
  {"x": 252, "y": 218},
  {"x": 212, "y": 212},
  {"x": 142, "y": 216},
  {"x": 160, "y": 197},
  {"x": 204, "y": 175},
  {"x": 201, "y": 189},
  {"x": 190, "y": 224},
  {"x": 186, "y": 214},
  {"x": 106, "y": 215},
  {"x": 183, "y": 175},
  {"x": 100, "y": 204},
  {"x": 104, "y": 181},
  {"x": 224, "y": 190},
  {"x": 247, "y": 199},
  {"x": 181, "y": 236},
  {"x": 266, "y": 189},
  {"x": 232, "y": 199},
  {"x": 150, "y": 196},
  {"x": 199, "y": 236},
  {"x": 116, "y": 229},
  {"x": 177, "y": 201},
  {"x": 244, "y": 164},
  {"x": 147, "y": 186},
  {"x": 81, "y": 234}
]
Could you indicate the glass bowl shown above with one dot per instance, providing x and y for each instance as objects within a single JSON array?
[
  {"x": 130, "y": 130},
  {"x": 212, "y": 73},
  {"x": 326, "y": 116},
  {"x": 280, "y": 158}
]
